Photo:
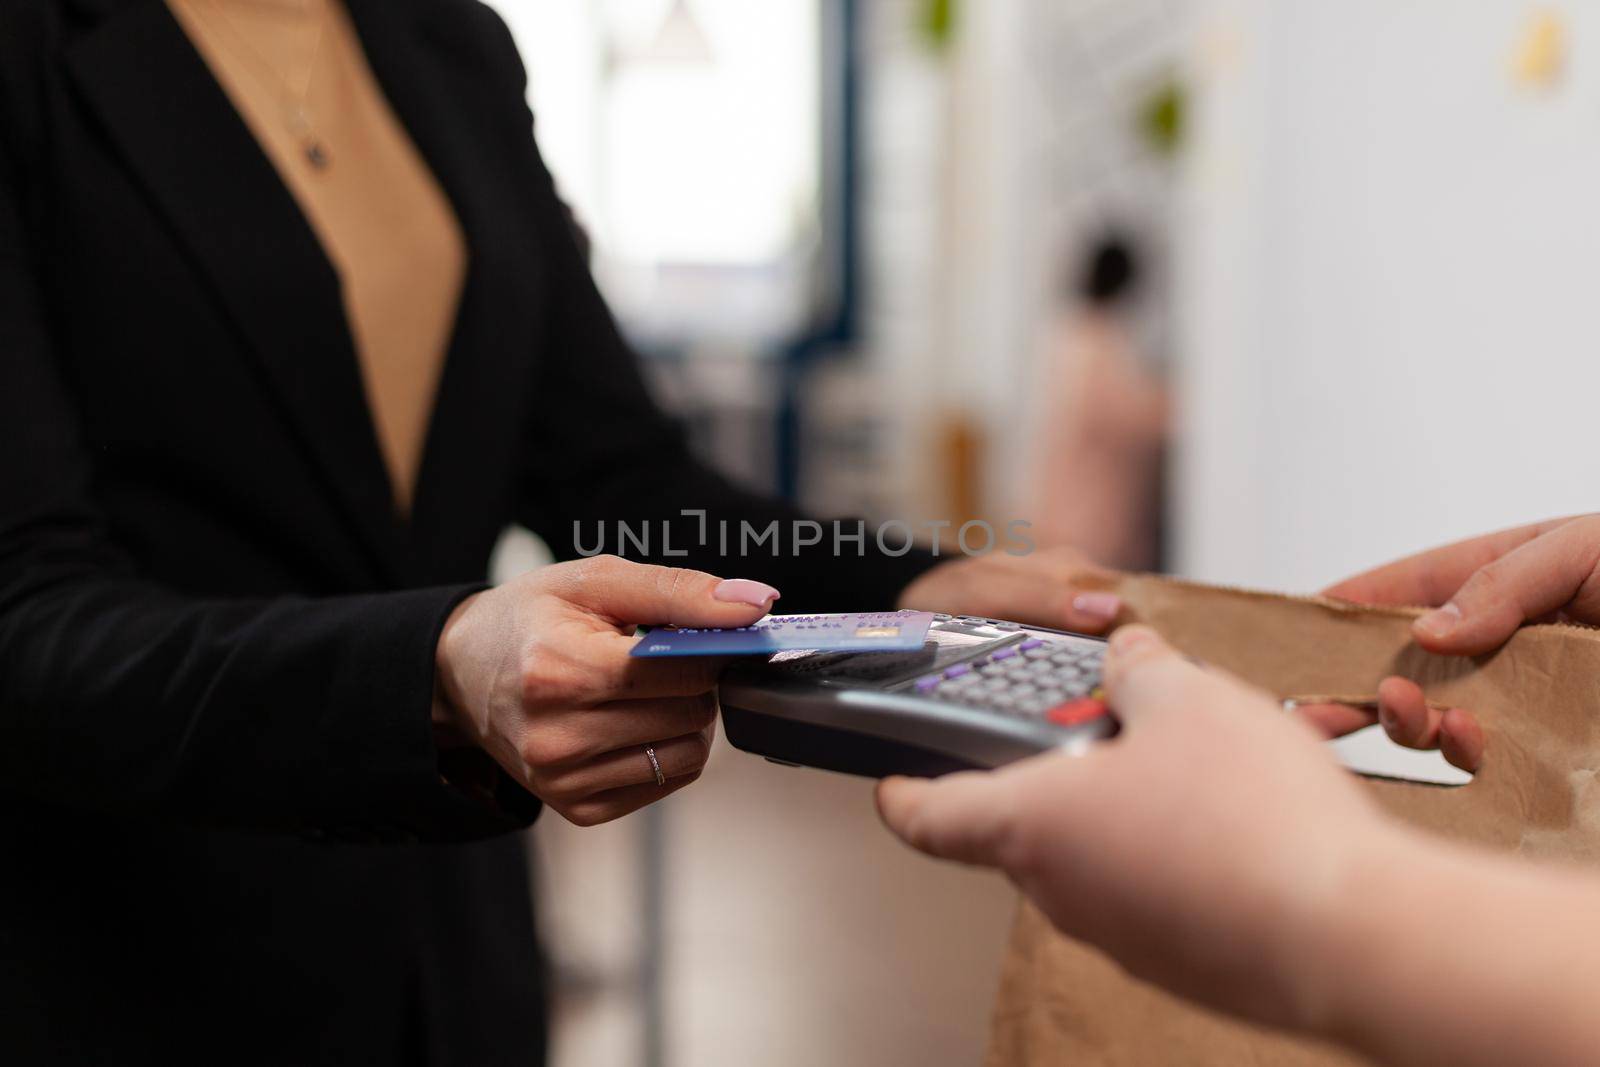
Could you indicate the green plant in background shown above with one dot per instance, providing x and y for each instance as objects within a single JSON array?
[
  {"x": 936, "y": 19},
  {"x": 1160, "y": 117}
]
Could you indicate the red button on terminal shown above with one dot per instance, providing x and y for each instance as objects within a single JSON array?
[{"x": 1076, "y": 712}]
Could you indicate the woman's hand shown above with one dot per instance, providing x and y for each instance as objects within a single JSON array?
[
  {"x": 1038, "y": 588},
  {"x": 1200, "y": 848},
  {"x": 1482, "y": 589},
  {"x": 537, "y": 673}
]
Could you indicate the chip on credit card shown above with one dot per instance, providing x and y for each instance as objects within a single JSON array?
[{"x": 881, "y": 631}]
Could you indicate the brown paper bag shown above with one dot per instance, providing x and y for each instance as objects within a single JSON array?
[{"x": 1538, "y": 699}]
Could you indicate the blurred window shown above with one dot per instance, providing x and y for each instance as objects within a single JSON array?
[{"x": 686, "y": 134}]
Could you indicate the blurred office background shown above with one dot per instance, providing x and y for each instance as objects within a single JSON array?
[{"x": 1257, "y": 291}]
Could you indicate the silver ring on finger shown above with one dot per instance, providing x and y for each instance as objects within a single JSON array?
[{"x": 655, "y": 765}]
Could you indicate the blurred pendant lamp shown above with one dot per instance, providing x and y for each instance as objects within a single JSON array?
[{"x": 680, "y": 38}]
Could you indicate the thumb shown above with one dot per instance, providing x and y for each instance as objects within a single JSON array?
[
  {"x": 1558, "y": 569},
  {"x": 1146, "y": 678},
  {"x": 965, "y": 817},
  {"x": 644, "y": 593}
]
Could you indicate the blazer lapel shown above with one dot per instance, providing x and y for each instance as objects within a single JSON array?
[{"x": 181, "y": 136}]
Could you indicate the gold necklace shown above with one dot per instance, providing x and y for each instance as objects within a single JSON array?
[{"x": 292, "y": 97}]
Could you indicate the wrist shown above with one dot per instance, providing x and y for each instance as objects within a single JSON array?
[
  {"x": 1346, "y": 930},
  {"x": 446, "y": 689}
]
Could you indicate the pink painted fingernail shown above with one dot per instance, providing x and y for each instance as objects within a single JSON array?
[
  {"x": 1440, "y": 622},
  {"x": 745, "y": 591},
  {"x": 1099, "y": 605}
]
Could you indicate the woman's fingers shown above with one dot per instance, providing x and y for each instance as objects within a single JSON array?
[
  {"x": 629, "y": 592},
  {"x": 631, "y": 766},
  {"x": 538, "y": 673},
  {"x": 614, "y": 804},
  {"x": 583, "y": 734},
  {"x": 628, "y": 677}
]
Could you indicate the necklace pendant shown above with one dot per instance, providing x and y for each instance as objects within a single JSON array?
[{"x": 317, "y": 155}]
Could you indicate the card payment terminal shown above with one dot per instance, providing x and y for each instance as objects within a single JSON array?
[{"x": 979, "y": 693}]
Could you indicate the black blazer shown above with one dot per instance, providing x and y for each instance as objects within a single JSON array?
[{"x": 222, "y": 827}]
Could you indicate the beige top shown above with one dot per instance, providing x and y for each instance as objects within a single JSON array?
[{"x": 295, "y": 71}]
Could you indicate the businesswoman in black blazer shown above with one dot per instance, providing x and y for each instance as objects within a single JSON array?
[{"x": 263, "y": 735}]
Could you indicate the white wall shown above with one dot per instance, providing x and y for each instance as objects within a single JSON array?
[
  {"x": 1389, "y": 295},
  {"x": 1391, "y": 302}
]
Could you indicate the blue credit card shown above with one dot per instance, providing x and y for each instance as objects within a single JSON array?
[{"x": 876, "y": 631}]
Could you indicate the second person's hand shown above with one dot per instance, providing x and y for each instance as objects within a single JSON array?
[
  {"x": 537, "y": 673},
  {"x": 1481, "y": 589},
  {"x": 1056, "y": 587},
  {"x": 1204, "y": 847},
  {"x": 1217, "y": 850}
]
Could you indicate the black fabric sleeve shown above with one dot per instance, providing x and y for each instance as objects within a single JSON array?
[
  {"x": 119, "y": 694},
  {"x": 600, "y": 452}
]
